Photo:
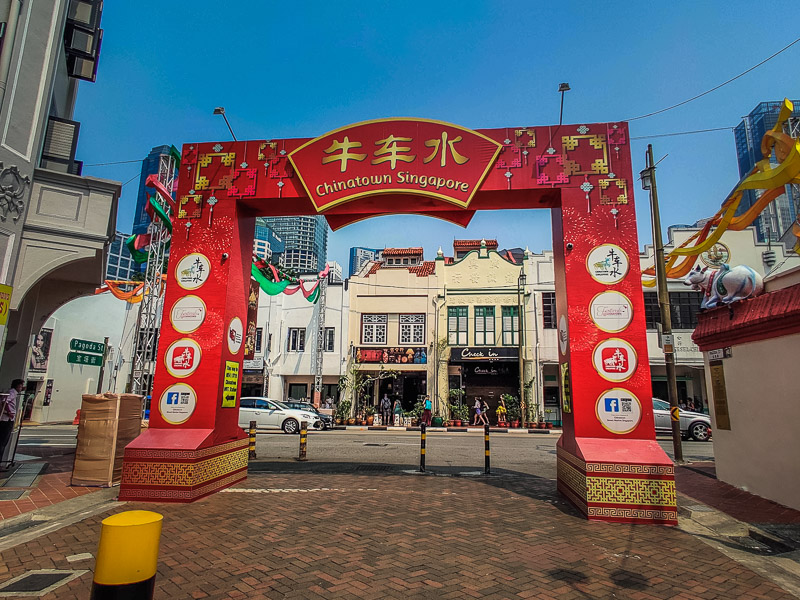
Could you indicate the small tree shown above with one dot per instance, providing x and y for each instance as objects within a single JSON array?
[{"x": 512, "y": 407}]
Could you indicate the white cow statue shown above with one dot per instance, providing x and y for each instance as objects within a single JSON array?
[{"x": 725, "y": 285}]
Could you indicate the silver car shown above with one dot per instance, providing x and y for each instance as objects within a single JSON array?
[
  {"x": 693, "y": 425},
  {"x": 271, "y": 414}
]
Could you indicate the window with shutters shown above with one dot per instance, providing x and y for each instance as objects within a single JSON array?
[
  {"x": 510, "y": 326},
  {"x": 373, "y": 329},
  {"x": 412, "y": 329},
  {"x": 484, "y": 326},
  {"x": 549, "y": 309},
  {"x": 330, "y": 335},
  {"x": 297, "y": 340},
  {"x": 457, "y": 327}
]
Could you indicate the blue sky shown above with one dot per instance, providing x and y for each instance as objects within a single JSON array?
[{"x": 296, "y": 69}]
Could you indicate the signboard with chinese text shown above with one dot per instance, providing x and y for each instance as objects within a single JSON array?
[
  {"x": 392, "y": 355},
  {"x": 91, "y": 360},
  {"x": 409, "y": 156},
  {"x": 719, "y": 395}
]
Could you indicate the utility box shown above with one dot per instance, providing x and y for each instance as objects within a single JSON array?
[{"x": 108, "y": 423}]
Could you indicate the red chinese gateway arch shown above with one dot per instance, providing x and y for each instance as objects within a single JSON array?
[{"x": 609, "y": 464}]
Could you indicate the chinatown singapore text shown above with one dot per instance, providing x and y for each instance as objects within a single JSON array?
[{"x": 391, "y": 152}]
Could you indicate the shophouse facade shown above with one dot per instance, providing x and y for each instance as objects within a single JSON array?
[
  {"x": 283, "y": 365},
  {"x": 485, "y": 328},
  {"x": 392, "y": 327}
]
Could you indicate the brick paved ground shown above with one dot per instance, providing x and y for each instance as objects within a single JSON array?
[
  {"x": 404, "y": 536},
  {"x": 50, "y": 488}
]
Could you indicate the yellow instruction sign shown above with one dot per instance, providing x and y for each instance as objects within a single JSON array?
[
  {"x": 5, "y": 303},
  {"x": 230, "y": 384}
]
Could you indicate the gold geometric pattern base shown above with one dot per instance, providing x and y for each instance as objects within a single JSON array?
[
  {"x": 629, "y": 492},
  {"x": 171, "y": 475}
]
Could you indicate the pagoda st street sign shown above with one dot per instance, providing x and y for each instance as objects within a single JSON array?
[
  {"x": 91, "y": 360},
  {"x": 87, "y": 346}
]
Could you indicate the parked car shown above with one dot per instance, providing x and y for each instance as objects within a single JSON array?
[
  {"x": 693, "y": 425},
  {"x": 326, "y": 421},
  {"x": 271, "y": 414}
]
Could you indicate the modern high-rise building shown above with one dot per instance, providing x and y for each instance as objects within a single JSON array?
[
  {"x": 359, "y": 256},
  {"x": 778, "y": 216},
  {"x": 266, "y": 243},
  {"x": 150, "y": 166},
  {"x": 121, "y": 265},
  {"x": 305, "y": 241}
]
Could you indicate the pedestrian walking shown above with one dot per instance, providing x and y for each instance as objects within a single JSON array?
[
  {"x": 426, "y": 414},
  {"x": 485, "y": 413},
  {"x": 477, "y": 408},
  {"x": 386, "y": 409},
  {"x": 398, "y": 411},
  {"x": 8, "y": 413}
]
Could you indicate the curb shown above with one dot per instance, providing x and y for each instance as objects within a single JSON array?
[{"x": 518, "y": 431}]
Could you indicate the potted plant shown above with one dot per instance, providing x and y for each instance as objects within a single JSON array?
[
  {"x": 437, "y": 421},
  {"x": 369, "y": 413},
  {"x": 343, "y": 411},
  {"x": 512, "y": 408}
]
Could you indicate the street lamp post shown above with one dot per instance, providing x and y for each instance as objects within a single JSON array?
[
  {"x": 521, "y": 342},
  {"x": 221, "y": 111},
  {"x": 648, "y": 176}
]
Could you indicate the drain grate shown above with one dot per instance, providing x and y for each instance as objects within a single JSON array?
[
  {"x": 37, "y": 583},
  {"x": 25, "y": 475},
  {"x": 374, "y": 468},
  {"x": 379, "y": 445},
  {"x": 11, "y": 494}
]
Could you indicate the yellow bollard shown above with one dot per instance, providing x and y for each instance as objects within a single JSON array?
[{"x": 127, "y": 556}]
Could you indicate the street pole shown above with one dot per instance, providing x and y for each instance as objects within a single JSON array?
[
  {"x": 521, "y": 344},
  {"x": 663, "y": 302},
  {"x": 102, "y": 367}
]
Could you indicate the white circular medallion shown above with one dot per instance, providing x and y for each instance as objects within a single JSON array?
[
  {"x": 182, "y": 357},
  {"x": 611, "y": 311},
  {"x": 187, "y": 314},
  {"x": 607, "y": 264},
  {"x": 563, "y": 335},
  {"x": 235, "y": 335},
  {"x": 614, "y": 359},
  {"x": 177, "y": 403},
  {"x": 192, "y": 271},
  {"x": 618, "y": 410}
]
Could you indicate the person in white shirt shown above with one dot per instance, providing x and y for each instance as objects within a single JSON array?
[{"x": 8, "y": 412}]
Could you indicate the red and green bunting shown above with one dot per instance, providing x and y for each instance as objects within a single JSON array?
[{"x": 274, "y": 281}]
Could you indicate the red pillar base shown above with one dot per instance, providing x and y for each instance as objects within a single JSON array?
[
  {"x": 180, "y": 465},
  {"x": 627, "y": 481}
]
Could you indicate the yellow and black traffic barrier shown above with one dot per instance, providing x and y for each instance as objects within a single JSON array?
[
  {"x": 487, "y": 469},
  {"x": 422, "y": 428},
  {"x": 303, "y": 440},
  {"x": 252, "y": 448},
  {"x": 127, "y": 556}
]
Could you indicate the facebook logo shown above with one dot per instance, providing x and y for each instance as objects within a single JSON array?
[
  {"x": 172, "y": 397},
  {"x": 612, "y": 404}
]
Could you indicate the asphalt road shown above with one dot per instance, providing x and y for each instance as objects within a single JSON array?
[{"x": 533, "y": 454}]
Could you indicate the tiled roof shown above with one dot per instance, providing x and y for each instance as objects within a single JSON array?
[
  {"x": 424, "y": 269},
  {"x": 428, "y": 267},
  {"x": 402, "y": 251},
  {"x": 473, "y": 244}
]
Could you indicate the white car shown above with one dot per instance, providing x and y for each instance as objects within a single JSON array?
[
  {"x": 693, "y": 425},
  {"x": 271, "y": 414}
]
